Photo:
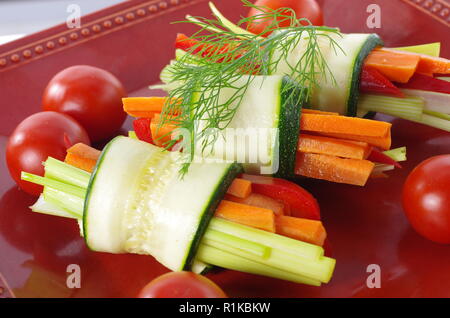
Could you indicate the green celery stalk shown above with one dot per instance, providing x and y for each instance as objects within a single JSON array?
[
  {"x": 398, "y": 154},
  {"x": 235, "y": 244},
  {"x": 70, "y": 203},
  {"x": 432, "y": 49},
  {"x": 45, "y": 207},
  {"x": 61, "y": 171},
  {"x": 55, "y": 184},
  {"x": 274, "y": 241},
  {"x": 434, "y": 122},
  {"x": 437, "y": 114},
  {"x": 214, "y": 256},
  {"x": 186, "y": 57},
  {"x": 408, "y": 107},
  {"x": 132, "y": 134},
  {"x": 230, "y": 25}
]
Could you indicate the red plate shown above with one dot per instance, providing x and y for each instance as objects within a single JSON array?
[{"x": 134, "y": 40}]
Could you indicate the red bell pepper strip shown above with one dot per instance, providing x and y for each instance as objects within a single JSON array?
[
  {"x": 427, "y": 83},
  {"x": 185, "y": 43},
  {"x": 141, "y": 127},
  {"x": 379, "y": 157},
  {"x": 301, "y": 203},
  {"x": 372, "y": 81}
]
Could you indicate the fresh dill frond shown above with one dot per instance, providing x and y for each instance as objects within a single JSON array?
[{"x": 222, "y": 54}]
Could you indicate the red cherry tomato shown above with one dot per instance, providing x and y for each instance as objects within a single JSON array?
[
  {"x": 300, "y": 202},
  {"x": 37, "y": 137},
  {"x": 181, "y": 285},
  {"x": 308, "y": 9},
  {"x": 426, "y": 198},
  {"x": 90, "y": 95}
]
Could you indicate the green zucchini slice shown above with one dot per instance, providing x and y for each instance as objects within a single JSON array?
[
  {"x": 340, "y": 93},
  {"x": 263, "y": 133},
  {"x": 137, "y": 203}
]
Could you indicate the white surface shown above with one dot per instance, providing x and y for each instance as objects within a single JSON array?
[
  {"x": 22, "y": 17},
  {"x": 9, "y": 38}
]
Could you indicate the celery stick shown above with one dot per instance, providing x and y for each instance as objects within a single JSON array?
[
  {"x": 382, "y": 168},
  {"x": 280, "y": 257},
  {"x": 435, "y": 122},
  {"x": 275, "y": 241},
  {"x": 70, "y": 203},
  {"x": 434, "y": 101},
  {"x": 432, "y": 49},
  {"x": 186, "y": 57},
  {"x": 240, "y": 32},
  {"x": 132, "y": 134},
  {"x": 45, "y": 207},
  {"x": 444, "y": 78},
  {"x": 213, "y": 256},
  {"x": 398, "y": 154},
  {"x": 321, "y": 269},
  {"x": 408, "y": 107},
  {"x": 234, "y": 244},
  {"x": 205, "y": 26},
  {"x": 61, "y": 186},
  {"x": 61, "y": 171},
  {"x": 437, "y": 114}
]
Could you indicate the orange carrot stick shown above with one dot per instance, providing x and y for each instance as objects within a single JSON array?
[
  {"x": 261, "y": 201},
  {"x": 427, "y": 64},
  {"x": 82, "y": 156},
  {"x": 256, "y": 217},
  {"x": 381, "y": 142},
  {"x": 143, "y": 107},
  {"x": 397, "y": 66},
  {"x": 240, "y": 188},
  {"x": 318, "y": 112},
  {"x": 344, "y": 125},
  {"x": 331, "y": 168},
  {"x": 306, "y": 230},
  {"x": 161, "y": 134},
  {"x": 333, "y": 146}
]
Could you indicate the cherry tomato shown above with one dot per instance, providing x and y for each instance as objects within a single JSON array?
[
  {"x": 181, "y": 285},
  {"x": 308, "y": 9},
  {"x": 426, "y": 198},
  {"x": 37, "y": 137},
  {"x": 300, "y": 202},
  {"x": 90, "y": 95}
]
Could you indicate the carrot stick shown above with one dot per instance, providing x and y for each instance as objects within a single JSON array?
[
  {"x": 318, "y": 112},
  {"x": 82, "y": 156},
  {"x": 306, "y": 230},
  {"x": 344, "y": 125},
  {"x": 240, "y": 188},
  {"x": 256, "y": 217},
  {"x": 433, "y": 65},
  {"x": 143, "y": 107},
  {"x": 161, "y": 134},
  {"x": 381, "y": 142},
  {"x": 331, "y": 168},
  {"x": 259, "y": 200},
  {"x": 427, "y": 64},
  {"x": 397, "y": 66},
  {"x": 333, "y": 146}
]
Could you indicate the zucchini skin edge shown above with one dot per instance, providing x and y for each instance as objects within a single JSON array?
[
  {"x": 218, "y": 195},
  {"x": 371, "y": 43},
  {"x": 289, "y": 127}
]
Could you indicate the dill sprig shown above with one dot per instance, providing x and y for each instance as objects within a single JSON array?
[{"x": 223, "y": 53}]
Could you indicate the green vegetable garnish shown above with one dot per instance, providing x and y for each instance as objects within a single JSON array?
[{"x": 224, "y": 52}]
